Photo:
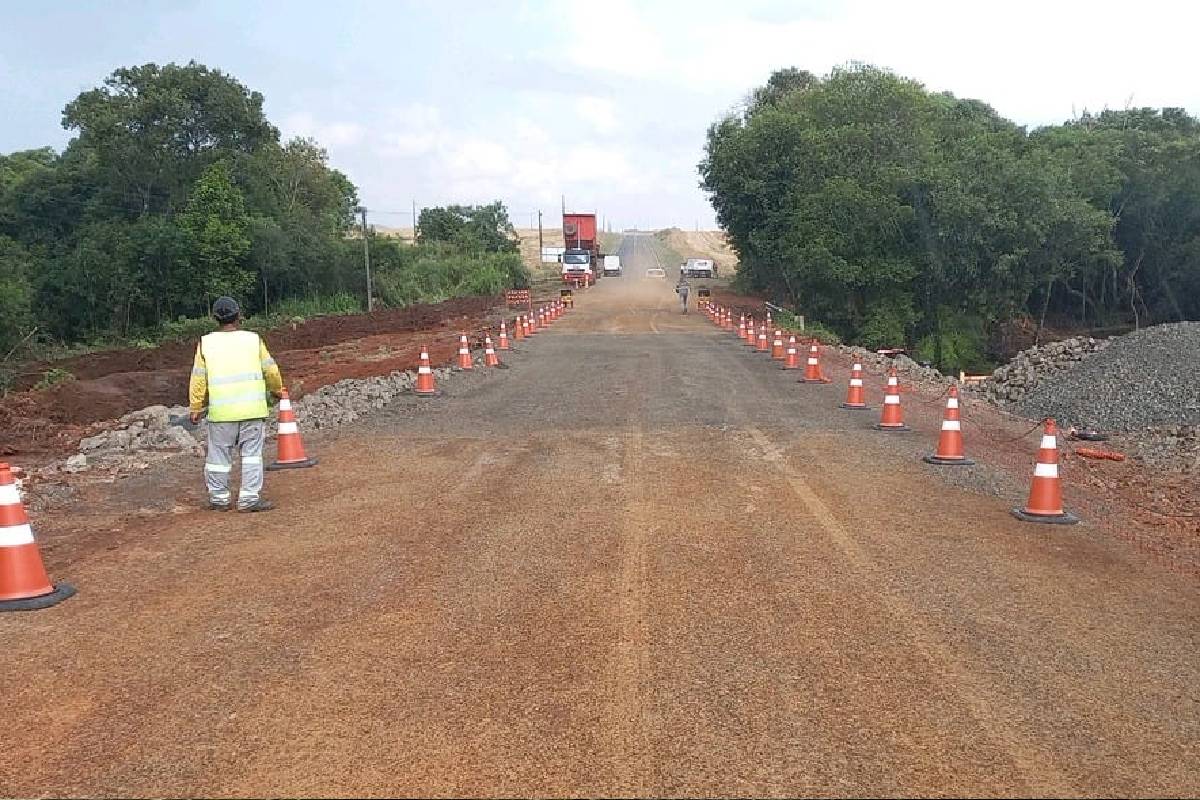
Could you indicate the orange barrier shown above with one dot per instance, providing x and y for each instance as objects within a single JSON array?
[
  {"x": 855, "y": 393},
  {"x": 950, "y": 442},
  {"x": 24, "y": 584},
  {"x": 426, "y": 386},
  {"x": 464, "y": 353},
  {"x": 892, "y": 418},
  {"x": 1045, "y": 493},
  {"x": 289, "y": 446}
]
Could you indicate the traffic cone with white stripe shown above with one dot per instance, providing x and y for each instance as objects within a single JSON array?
[
  {"x": 24, "y": 584},
  {"x": 289, "y": 446},
  {"x": 503, "y": 337},
  {"x": 1045, "y": 493},
  {"x": 426, "y": 386},
  {"x": 892, "y": 418},
  {"x": 464, "y": 353},
  {"x": 812, "y": 367},
  {"x": 519, "y": 328},
  {"x": 531, "y": 327},
  {"x": 490, "y": 359},
  {"x": 764, "y": 343},
  {"x": 728, "y": 322},
  {"x": 741, "y": 328},
  {"x": 777, "y": 353},
  {"x": 792, "y": 357},
  {"x": 950, "y": 441},
  {"x": 751, "y": 333},
  {"x": 855, "y": 399}
]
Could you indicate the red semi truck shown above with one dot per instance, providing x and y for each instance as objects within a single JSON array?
[{"x": 581, "y": 260}]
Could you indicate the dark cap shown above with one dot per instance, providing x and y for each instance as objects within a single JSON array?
[{"x": 226, "y": 310}]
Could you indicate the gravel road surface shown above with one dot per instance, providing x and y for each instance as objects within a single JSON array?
[{"x": 643, "y": 561}]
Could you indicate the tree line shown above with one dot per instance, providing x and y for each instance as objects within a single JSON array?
[
  {"x": 176, "y": 189},
  {"x": 902, "y": 217}
]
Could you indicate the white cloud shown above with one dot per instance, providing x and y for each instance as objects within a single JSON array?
[
  {"x": 602, "y": 113},
  {"x": 328, "y": 134}
]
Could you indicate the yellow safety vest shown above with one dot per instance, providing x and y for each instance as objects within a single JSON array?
[{"x": 236, "y": 388}]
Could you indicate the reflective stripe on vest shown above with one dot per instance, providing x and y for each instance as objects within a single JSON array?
[{"x": 236, "y": 388}]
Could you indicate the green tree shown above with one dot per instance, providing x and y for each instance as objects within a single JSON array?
[
  {"x": 16, "y": 294},
  {"x": 218, "y": 232}
]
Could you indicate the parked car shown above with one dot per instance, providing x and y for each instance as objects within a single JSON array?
[{"x": 655, "y": 272}]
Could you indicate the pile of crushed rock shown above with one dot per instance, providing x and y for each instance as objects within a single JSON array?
[
  {"x": 158, "y": 432},
  {"x": 1148, "y": 378},
  {"x": 1009, "y": 384}
]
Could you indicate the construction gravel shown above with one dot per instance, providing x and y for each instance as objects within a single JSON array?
[{"x": 1146, "y": 378}]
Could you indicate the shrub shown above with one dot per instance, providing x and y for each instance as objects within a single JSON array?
[{"x": 53, "y": 377}]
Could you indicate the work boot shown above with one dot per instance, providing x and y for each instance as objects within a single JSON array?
[
  {"x": 215, "y": 506},
  {"x": 258, "y": 505}
]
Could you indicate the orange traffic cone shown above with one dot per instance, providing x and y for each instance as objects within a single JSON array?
[
  {"x": 727, "y": 323},
  {"x": 532, "y": 328},
  {"x": 751, "y": 333},
  {"x": 24, "y": 584},
  {"x": 425, "y": 386},
  {"x": 1045, "y": 494},
  {"x": 764, "y": 343},
  {"x": 503, "y": 337},
  {"x": 777, "y": 346},
  {"x": 812, "y": 368},
  {"x": 792, "y": 357},
  {"x": 490, "y": 359},
  {"x": 741, "y": 328},
  {"x": 519, "y": 328},
  {"x": 855, "y": 399},
  {"x": 464, "y": 353},
  {"x": 289, "y": 448},
  {"x": 892, "y": 418},
  {"x": 950, "y": 441}
]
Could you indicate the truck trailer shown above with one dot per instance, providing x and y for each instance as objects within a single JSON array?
[{"x": 583, "y": 249}]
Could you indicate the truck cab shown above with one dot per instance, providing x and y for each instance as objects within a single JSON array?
[
  {"x": 612, "y": 266},
  {"x": 700, "y": 268},
  {"x": 577, "y": 267}
]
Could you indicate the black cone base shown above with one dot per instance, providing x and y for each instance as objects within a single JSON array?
[
  {"x": 1065, "y": 518},
  {"x": 61, "y": 592},
  {"x": 949, "y": 462},
  {"x": 308, "y": 462}
]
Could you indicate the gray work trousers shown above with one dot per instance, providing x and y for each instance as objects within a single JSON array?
[
  {"x": 683, "y": 295},
  {"x": 223, "y": 437}
]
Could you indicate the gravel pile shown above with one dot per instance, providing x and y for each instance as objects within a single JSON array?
[
  {"x": 1009, "y": 384},
  {"x": 346, "y": 401},
  {"x": 1149, "y": 378},
  {"x": 905, "y": 366},
  {"x": 158, "y": 432}
]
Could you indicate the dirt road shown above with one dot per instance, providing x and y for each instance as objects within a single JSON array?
[{"x": 640, "y": 562}]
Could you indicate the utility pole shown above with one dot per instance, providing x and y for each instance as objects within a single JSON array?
[
  {"x": 540, "y": 245},
  {"x": 367, "y": 257}
]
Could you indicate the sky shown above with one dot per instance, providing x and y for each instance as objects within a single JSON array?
[{"x": 605, "y": 104}]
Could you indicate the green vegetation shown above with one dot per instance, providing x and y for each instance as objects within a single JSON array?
[
  {"x": 176, "y": 189},
  {"x": 898, "y": 216},
  {"x": 53, "y": 377}
]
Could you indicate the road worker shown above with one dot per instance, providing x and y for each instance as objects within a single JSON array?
[
  {"x": 233, "y": 371},
  {"x": 682, "y": 289}
]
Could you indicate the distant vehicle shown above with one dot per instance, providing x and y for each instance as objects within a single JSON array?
[
  {"x": 577, "y": 267},
  {"x": 655, "y": 272},
  {"x": 699, "y": 268},
  {"x": 579, "y": 234},
  {"x": 612, "y": 266}
]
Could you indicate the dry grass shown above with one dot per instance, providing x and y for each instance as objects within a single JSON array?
[{"x": 703, "y": 244}]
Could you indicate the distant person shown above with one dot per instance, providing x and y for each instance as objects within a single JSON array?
[
  {"x": 682, "y": 289},
  {"x": 234, "y": 372}
]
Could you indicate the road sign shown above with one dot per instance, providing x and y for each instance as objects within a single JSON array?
[{"x": 517, "y": 298}]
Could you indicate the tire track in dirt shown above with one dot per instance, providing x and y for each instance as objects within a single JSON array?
[{"x": 1041, "y": 776}]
